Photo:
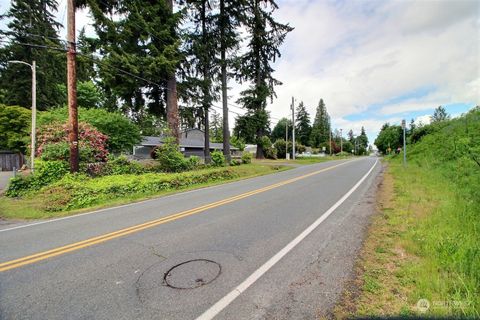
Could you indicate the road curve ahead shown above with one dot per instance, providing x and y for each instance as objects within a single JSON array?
[{"x": 279, "y": 246}]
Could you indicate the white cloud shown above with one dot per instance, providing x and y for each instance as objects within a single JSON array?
[
  {"x": 425, "y": 119},
  {"x": 355, "y": 54},
  {"x": 360, "y": 53}
]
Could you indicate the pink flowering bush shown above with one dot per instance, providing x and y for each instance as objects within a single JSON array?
[{"x": 52, "y": 143}]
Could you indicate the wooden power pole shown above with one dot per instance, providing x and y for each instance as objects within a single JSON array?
[{"x": 72, "y": 87}]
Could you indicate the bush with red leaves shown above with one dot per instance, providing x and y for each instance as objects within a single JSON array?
[{"x": 52, "y": 143}]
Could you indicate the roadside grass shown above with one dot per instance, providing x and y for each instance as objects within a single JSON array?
[
  {"x": 39, "y": 205},
  {"x": 423, "y": 244},
  {"x": 302, "y": 160},
  {"x": 310, "y": 160}
]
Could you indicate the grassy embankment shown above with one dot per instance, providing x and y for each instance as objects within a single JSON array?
[
  {"x": 425, "y": 241},
  {"x": 73, "y": 195}
]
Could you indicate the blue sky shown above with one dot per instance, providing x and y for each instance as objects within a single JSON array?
[{"x": 371, "y": 61}]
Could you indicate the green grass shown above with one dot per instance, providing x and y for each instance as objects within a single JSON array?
[
  {"x": 55, "y": 200},
  {"x": 426, "y": 239},
  {"x": 441, "y": 230},
  {"x": 310, "y": 160},
  {"x": 304, "y": 160}
]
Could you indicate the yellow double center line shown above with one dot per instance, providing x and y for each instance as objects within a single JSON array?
[{"x": 8, "y": 265}]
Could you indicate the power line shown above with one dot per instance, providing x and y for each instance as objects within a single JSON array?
[
  {"x": 33, "y": 45},
  {"x": 127, "y": 73}
]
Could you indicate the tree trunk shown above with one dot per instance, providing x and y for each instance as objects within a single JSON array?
[
  {"x": 206, "y": 151},
  {"x": 258, "y": 78},
  {"x": 226, "y": 130},
  {"x": 172, "y": 108},
  {"x": 172, "y": 103},
  {"x": 206, "y": 87}
]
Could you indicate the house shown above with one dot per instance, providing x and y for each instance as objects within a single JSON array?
[{"x": 191, "y": 144}]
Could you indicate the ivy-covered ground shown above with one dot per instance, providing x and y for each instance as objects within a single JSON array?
[{"x": 76, "y": 193}]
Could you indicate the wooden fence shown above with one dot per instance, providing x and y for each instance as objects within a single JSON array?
[{"x": 10, "y": 160}]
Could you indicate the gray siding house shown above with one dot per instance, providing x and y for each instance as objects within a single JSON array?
[{"x": 191, "y": 144}]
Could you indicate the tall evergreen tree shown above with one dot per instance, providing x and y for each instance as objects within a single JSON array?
[
  {"x": 363, "y": 139},
  {"x": 173, "y": 117},
  {"x": 303, "y": 127},
  {"x": 86, "y": 48},
  {"x": 321, "y": 126},
  {"x": 228, "y": 19},
  {"x": 351, "y": 137},
  {"x": 32, "y": 29},
  {"x": 201, "y": 64},
  {"x": 142, "y": 41},
  {"x": 265, "y": 37},
  {"x": 216, "y": 127},
  {"x": 439, "y": 115}
]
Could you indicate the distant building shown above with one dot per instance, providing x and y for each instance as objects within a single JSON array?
[{"x": 191, "y": 144}]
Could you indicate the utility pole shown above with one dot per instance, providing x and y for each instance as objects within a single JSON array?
[
  {"x": 404, "y": 144},
  {"x": 33, "y": 67},
  {"x": 72, "y": 87},
  {"x": 330, "y": 131},
  {"x": 293, "y": 128},
  {"x": 34, "y": 113},
  {"x": 341, "y": 141},
  {"x": 286, "y": 140}
]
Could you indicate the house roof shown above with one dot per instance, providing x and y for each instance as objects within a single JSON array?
[{"x": 149, "y": 141}]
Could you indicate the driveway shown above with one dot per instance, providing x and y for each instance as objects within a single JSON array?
[{"x": 5, "y": 179}]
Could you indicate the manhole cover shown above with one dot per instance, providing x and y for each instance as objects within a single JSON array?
[{"x": 192, "y": 274}]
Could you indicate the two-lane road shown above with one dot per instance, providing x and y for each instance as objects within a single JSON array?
[{"x": 277, "y": 246}]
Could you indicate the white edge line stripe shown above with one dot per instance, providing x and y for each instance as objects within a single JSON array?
[
  {"x": 123, "y": 206},
  {"x": 226, "y": 300}
]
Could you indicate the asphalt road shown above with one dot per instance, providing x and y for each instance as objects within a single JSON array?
[{"x": 274, "y": 247}]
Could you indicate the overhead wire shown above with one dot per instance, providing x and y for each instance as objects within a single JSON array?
[{"x": 124, "y": 72}]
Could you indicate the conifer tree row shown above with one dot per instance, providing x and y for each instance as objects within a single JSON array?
[{"x": 31, "y": 22}]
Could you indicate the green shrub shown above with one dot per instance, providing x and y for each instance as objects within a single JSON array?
[
  {"x": 61, "y": 151},
  {"x": 46, "y": 172},
  {"x": 343, "y": 154},
  {"x": 170, "y": 158},
  {"x": 79, "y": 191},
  {"x": 122, "y": 133},
  {"x": 269, "y": 150},
  {"x": 121, "y": 165},
  {"x": 270, "y": 153},
  {"x": 238, "y": 143},
  {"x": 218, "y": 159},
  {"x": 193, "y": 162},
  {"x": 18, "y": 186},
  {"x": 247, "y": 157},
  {"x": 14, "y": 128},
  {"x": 235, "y": 162},
  {"x": 279, "y": 145}
]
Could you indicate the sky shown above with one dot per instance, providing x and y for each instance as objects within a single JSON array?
[{"x": 370, "y": 61}]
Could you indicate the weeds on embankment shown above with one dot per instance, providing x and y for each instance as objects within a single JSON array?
[{"x": 422, "y": 254}]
